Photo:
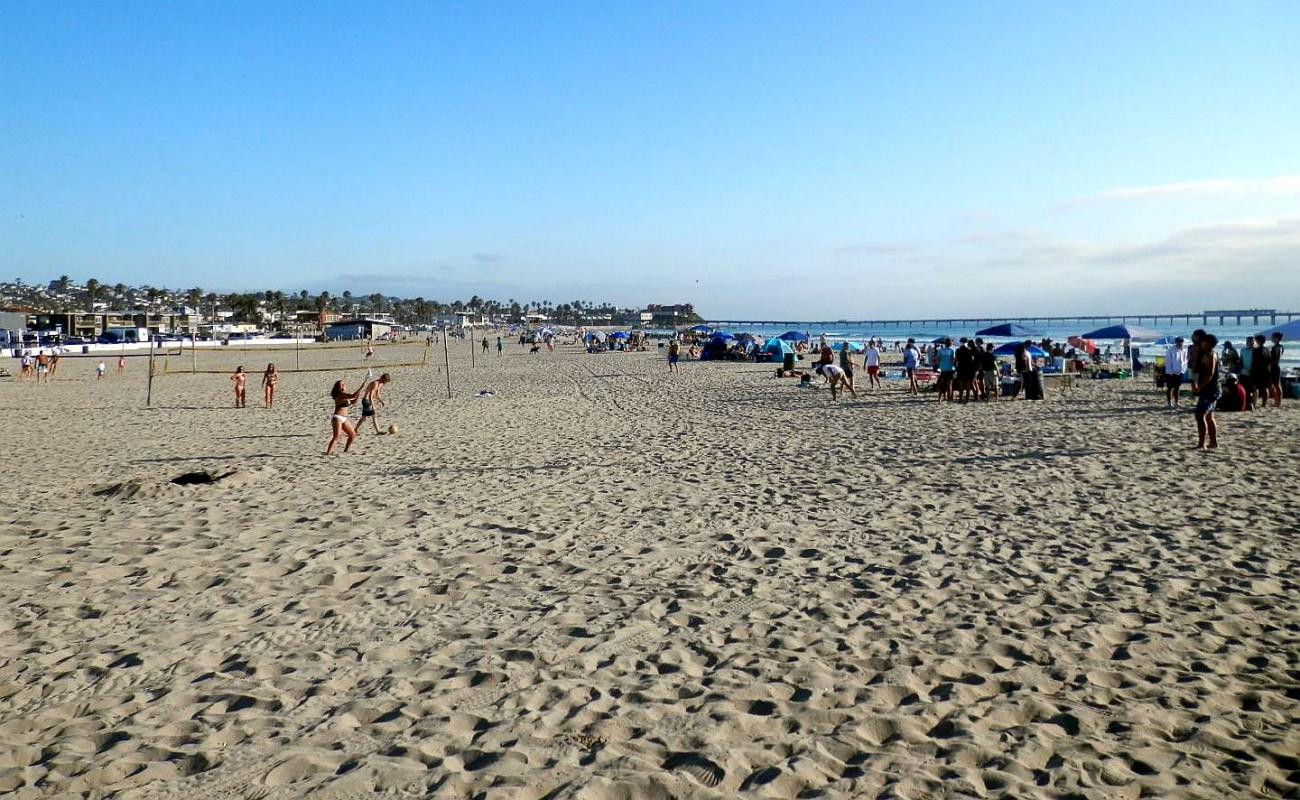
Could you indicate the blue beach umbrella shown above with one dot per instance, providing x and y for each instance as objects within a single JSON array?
[
  {"x": 700, "y": 329},
  {"x": 1122, "y": 332},
  {"x": 1167, "y": 340},
  {"x": 1290, "y": 330},
  {"x": 618, "y": 335},
  {"x": 1008, "y": 329},
  {"x": 793, "y": 336},
  {"x": 1009, "y": 349}
]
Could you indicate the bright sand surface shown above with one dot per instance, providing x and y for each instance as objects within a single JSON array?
[{"x": 606, "y": 581}]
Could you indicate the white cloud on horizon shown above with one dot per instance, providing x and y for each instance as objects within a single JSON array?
[{"x": 1277, "y": 186}]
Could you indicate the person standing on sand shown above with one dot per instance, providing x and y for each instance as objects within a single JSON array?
[
  {"x": 340, "y": 425},
  {"x": 911, "y": 360},
  {"x": 872, "y": 363},
  {"x": 674, "y": 355},
  {"x": 989, "y": 371},
  {"x": 370, "y": 349},
  {"x": 946, "y": 358},
  {"x": 270, "y": 379},
  {"x": 1275, "y": 369},
  {"x": 241, "y": 385},
  {"x": 42, "y": 367},
  {"x": 965, "y": 370},
  {"x": 371, "y": 402},
  {"x": 121, "y": 364},
  {"x": 485, "y": 345},
  {"x": 1206, "y": 388},
  {"x": 100, "y": 370},
  {"x": 1175, "y": 366},
  {"x": 824, "y": 354},
  {"x": 1261, "y": 369},
  {"x": 500, "y": 346}
]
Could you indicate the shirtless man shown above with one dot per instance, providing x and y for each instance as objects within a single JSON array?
[{"x": 371, "y": 402}]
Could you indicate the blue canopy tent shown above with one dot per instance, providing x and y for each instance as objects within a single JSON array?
[
  {"x": 1122, "y": 332},
  {"x": 1165, "y": 341},
  {"x": 621, "y": 335},
  {"x": 1008, "y": 330},
  {"x": 1009, "y": 349},
  {"x": 1290, "y": 330},
  {"x": 794, "y": 336},
  {"x": 700, "y": 329},
  {"x": 716, "y": 346}
]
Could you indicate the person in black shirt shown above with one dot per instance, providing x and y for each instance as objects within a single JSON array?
[
  {"x": 965, "y": 370},
  {"x": 989, "y": 371}
]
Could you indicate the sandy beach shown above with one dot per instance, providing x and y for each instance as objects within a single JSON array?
[{"x": 605, "y": 581}]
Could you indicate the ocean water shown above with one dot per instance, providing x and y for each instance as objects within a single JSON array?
[{"x": 839, "y": 332}]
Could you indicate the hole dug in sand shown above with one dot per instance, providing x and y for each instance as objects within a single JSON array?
[
  {"x": 144, "y": 488},
  {"x": 191, "y": 478}
]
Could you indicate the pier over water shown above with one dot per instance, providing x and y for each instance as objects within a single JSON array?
[{"x": 1234, "y": 316}]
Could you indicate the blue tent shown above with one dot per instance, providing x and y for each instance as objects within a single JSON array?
[
  {"x": 716, "y": 346},
  {"x": 1122, "y": 332},
  {"x": 1290, "y": 330},
  {"x": 777, "y": 348},
  {"x": 1009, "y": 330},
  {"x": 1009, "y": 349},
  {"x": 618, "y": 335},
  {"x": 700, "y": 329},
  {"x": 794, "y": 336},
  {"x": 854, "y": 347}
]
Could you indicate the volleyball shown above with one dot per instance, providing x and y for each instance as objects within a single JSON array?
[{"x": 392, "y": 429}]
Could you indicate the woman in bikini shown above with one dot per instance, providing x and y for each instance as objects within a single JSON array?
[
  {"x": 241, "y": 385},
  {"x": 340, "y": 425},
  {"x": 269, "y": 380}
]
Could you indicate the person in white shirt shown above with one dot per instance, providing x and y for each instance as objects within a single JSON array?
[
  {"x": 1175, "y": 366},
  {"x": 835, "y": 376},
  {"x": 872, "y": 363}
]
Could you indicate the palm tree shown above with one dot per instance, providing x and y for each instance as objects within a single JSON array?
[
  {"x": 376, "y": 302},
  {"x": 92, "y": 293},
  {"x": 64, "y": 283},
  {"x": 322, "y": 302}
]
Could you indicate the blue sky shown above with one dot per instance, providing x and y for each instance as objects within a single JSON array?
[{"x": 759, "y": 159}]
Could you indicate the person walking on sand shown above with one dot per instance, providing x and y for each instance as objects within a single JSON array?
[
  {"x": 121, "y": 364},
  {"x": 371, "y": 402},
  {"x": 500, "y": 346},
  {"x": 485, "y": 345},
  {"x": 241, "y": 385},
  {"x": 1207, "y": 390},
  {"x": 846, "y": 364},
  {"x": 370, "y": 349},
  {"x": 1175, "y": 366},
  {"x": 911, "y": 362},
  {"x": 270, "y": 379},
  {"x": 340, "y": 425},
  {"x": 674, "y": 355},
  {"x": 872, "y": 363},
  {"x": 100, "y": 369}
]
